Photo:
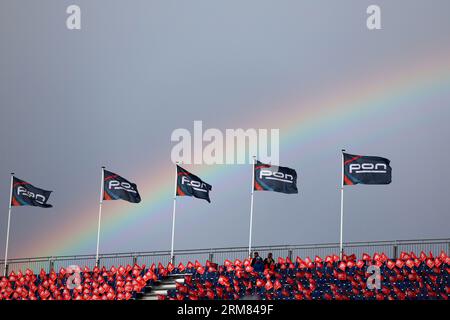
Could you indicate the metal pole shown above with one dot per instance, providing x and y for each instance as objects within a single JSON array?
[
  {"x": 172, "y": 258},
  {"x": 5, "y": 271},
  {"x": 211, "y": 255},
  {"x": 51, "y": 264},
  {"x": 251, "y": 208},
  {"x": 100, "y": 216},
  {"x": 395, "y": 253},
  {"x": 341, "y": 246}
]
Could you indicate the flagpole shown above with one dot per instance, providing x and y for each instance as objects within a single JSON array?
[
  {"x": 100, "y": 215},
  {"x": 5, "y": 270},
  {"x": 251, "y": 208},
  {"x": 173, "y": 213},
  {"x": 341, "y": 247}
]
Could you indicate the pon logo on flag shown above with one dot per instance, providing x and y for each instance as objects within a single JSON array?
[
  {"x": 190, "y": 185},
  {"x": 116, "y": 187},
  {"x": 275, "y": 178},
  {"x": 366, "y": 170},
  {"x": 25, "y": 194}
]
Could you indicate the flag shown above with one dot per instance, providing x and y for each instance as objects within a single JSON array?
[
  {"x": 25, "y": 194},
  {"x": 115, "y": 187},
  {"x": 275, "y": 178},
  {"x": 366, "y": 170},
  {"x": 191, "y": 185}
]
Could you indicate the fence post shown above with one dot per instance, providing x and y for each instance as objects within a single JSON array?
[
  {"x": 51, "y": 264},
  {"x": 6, "y": 269},
  {"x": 290, "y": 254},
  {"x": 395, "y": 253},
  {"x": 211, "y": 256},
  {"x": 135, "y": 260}
]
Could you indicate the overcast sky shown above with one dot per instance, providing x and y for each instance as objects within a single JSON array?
[{"x": 112, "y": 93}]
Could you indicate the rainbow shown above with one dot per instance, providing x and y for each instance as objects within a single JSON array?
[{"x": 348, "y": 102}]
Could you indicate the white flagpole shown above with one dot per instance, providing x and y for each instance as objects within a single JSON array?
[
  {"x": 251, "y": 208},
  {"x": 341, "y": 247},
  {"x": 173, "y": 213},
  {"x": 100, "y": 215},
  {"x": 5, "y": 271}
]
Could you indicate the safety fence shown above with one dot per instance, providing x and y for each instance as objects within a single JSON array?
[{"x": 391, "y": 248}]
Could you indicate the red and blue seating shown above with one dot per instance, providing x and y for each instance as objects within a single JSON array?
[
  {"x": 410, "y": 277},
  {"x": 122, "y": 283},
  {"x": 407, "y": 278}
]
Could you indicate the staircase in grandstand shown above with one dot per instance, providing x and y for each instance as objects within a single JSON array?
[
  {"x": 391, "y": 248},
  {"x": 162, "y": 287}
]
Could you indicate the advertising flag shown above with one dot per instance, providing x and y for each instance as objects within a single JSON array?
[
  {"x": 190, "y": 185},
  {"x": 275, "y": 178},
  {"x": 366, "y": 170},
  {"x": 25, "y": 194},
  {"x": 116, "y": 187}
]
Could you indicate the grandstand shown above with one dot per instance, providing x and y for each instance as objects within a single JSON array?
[{"x": 414, "y": 269}]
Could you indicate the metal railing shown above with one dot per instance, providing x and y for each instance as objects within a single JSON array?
[{"x": 391, "y": 248}]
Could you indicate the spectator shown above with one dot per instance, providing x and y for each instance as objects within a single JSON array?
[
  {"x": 269, "y": 262},
  {"x": 257, "y": 262}
]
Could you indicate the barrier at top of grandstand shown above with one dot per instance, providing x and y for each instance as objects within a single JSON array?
[{"x": 391, "y": 248}]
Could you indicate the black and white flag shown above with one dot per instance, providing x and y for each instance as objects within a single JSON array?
[
  {"x": 189, "y": 184},
  {"x": 115, "y": 187},
  {"x": 25, "y": 194},
  {"x": 366, "y": 170},
  {"x": 275, "y": 178}
]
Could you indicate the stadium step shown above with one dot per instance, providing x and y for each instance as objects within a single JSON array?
[{"x": 161, "y": 287}]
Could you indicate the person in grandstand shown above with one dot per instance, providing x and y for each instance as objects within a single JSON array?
[
  {"x": 257, "y": 262},
  {"x": 268, "y": 262}
]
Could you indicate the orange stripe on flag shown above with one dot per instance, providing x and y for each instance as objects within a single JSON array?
[
  {"x": 180, "y": 192},
  {"x": 347, "y": 181}
]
